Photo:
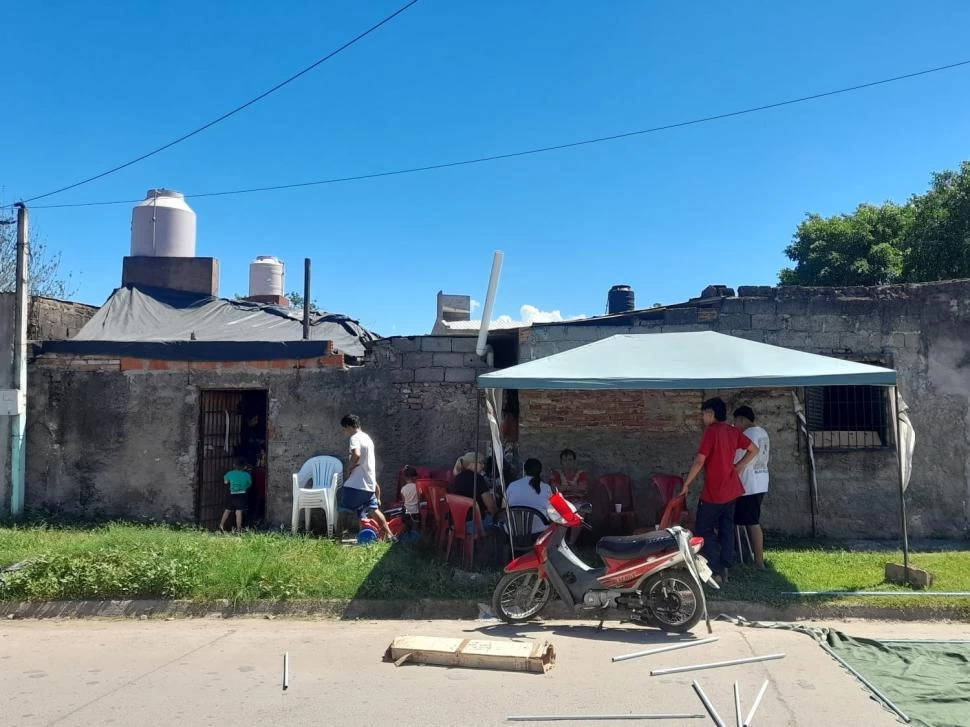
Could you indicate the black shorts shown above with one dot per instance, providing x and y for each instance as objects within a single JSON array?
[
  {"x": 747, "y": 509},
  {"x": 238, "y": 501}
]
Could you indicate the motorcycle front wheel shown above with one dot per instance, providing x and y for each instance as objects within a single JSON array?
[
  {"x": 520, "y": 596},
  {"x": 673, "y": 599}
]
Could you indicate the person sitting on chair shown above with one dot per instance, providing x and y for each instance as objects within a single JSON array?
[
  {"x": 572, "y": 482},
  {"x": 531, "y": 491}
]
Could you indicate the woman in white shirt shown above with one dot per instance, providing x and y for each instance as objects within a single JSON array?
[{"x": 531, "y": 491}]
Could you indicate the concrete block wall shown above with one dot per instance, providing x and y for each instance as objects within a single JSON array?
[
  {"x": 118, "y": 436},
  {"x": 921, "y": 330}
]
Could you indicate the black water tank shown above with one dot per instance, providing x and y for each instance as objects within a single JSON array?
[{"x": 620, "y": 299}]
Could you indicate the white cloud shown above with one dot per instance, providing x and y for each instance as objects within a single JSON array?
[
  {"x": 475, "y": 304},
  {"x": 532, "y": 314}
]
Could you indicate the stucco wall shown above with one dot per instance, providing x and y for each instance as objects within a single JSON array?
[
  {"x": 110, "y": 437},
  {"x": 48, "y": 319}
]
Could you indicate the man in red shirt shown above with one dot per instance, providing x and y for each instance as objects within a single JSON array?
[{"x": 722, "y": 483}]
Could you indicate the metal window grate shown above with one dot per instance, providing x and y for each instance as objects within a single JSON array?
[{"x": 848, "y": 417}]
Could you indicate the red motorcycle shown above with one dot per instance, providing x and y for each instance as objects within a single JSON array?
[{"x": 656, "y": 576}]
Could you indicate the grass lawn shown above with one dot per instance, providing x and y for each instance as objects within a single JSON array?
[
  {"x": 132, "y": 561},
  {"x": 117, "y": 561}
]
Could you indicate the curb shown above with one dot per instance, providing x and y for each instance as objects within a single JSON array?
[{"x": 430, "y": 609}]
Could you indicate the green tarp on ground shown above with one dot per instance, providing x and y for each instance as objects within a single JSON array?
[{"x": 929, "y": 682}]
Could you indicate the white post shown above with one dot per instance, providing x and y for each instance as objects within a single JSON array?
[{"x": 18, "y": 439}]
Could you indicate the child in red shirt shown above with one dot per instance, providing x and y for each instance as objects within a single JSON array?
[{"x": 722, "y": 483}]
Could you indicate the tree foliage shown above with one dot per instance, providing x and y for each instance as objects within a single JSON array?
[
  {"x": 938, "y": 240},
  {"x": 296, "y": 301},
  {"x": 925, "y": 239},
  {"x": 44, "y": 272}
]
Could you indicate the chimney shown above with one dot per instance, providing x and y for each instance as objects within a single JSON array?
[{"x": 452, "y": 308}]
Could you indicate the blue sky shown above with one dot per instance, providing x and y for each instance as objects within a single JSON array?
[{"x": 89, "y": 85}]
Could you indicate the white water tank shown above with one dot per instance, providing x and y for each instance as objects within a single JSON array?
[
  {"x": 266, "y": 276},
  {"x": 162, "y": 225}
]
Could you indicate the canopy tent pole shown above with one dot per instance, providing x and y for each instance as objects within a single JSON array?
[
  {"x": 498, "y": 457},
  {"x": 902, "y": 484},
  {"x": 478, "y": 442}
]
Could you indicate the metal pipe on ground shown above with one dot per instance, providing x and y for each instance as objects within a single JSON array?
[
  {"x": 662, "y": 649},
  {"x": 757, "y": 703},
  {"x": 737, "y": 705},
  {"x": 600, "y": 717},
  {"x": 714, "y": 665},
  {"x": 707, "y": 704},
  {"x": 879, "y": 695}
]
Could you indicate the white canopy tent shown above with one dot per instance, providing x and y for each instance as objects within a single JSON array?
[{"x": 700, "y": 360}]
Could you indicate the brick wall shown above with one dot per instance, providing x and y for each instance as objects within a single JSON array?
[
  {"x": 921, "y": 330},
  {"x": 646, "y": 433}
]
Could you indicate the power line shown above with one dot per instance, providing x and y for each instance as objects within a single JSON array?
[
  {"x": 233, "y": 112},
  {"x": 544, "y": 149}
]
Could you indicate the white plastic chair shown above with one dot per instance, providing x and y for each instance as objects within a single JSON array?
[{"x": 327, "y": 475}]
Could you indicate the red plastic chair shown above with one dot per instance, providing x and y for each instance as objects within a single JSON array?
[
  {"x": 668, "y": 486},
  {"x": 445, "y": 475},
  {"x": 433, "y": 492},
  {"x": 458, "y": 508},
  {"x": 619, "y": 489}
]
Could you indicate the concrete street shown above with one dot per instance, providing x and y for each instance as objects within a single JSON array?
[{"x": 215, "y": 672}]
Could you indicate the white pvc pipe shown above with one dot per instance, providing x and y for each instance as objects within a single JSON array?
[
  {"x": 489, "y": 302},
  {"x": 715, "y": 664},
  {"x": 662, "y": 649}
]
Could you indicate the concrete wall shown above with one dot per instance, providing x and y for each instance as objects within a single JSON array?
[
  {"x": 921, "y": 330},
  {"x": 119, "y": 436},
  {"x": 49, "y": 319}
]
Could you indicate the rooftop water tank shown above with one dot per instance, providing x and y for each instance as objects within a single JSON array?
[
  {"x": 620, "y": 299},
  {"x": 266, "y": 276},
  {"x": 162, "y": 225}
]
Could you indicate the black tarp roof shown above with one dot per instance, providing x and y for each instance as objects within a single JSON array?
[{"x": 153, "y": 323}]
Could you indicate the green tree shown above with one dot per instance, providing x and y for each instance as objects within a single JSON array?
[
  {"x": 864, "y": 248},
  {"x": 296, "y": 301},
  {"x": 938, "y": 240},
  {"x": 44, "y": 272}
]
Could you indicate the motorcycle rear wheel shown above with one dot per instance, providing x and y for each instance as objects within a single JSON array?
[
  {"x": 520, "y": 596},
  {"x": 673, "y": 600}
]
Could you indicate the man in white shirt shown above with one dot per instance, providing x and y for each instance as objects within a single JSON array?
[
  {"x": 360, "y": 483},
  {"x": 754, "y": 478}
]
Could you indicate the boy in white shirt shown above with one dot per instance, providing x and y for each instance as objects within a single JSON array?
[
  {"x": 409, "y": 493},
  {"x": 754, "y": 478}
]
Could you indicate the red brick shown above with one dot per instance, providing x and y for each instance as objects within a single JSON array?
[
  {"x": 157, "y": 365},
  {"x": 133, "y": 364}
]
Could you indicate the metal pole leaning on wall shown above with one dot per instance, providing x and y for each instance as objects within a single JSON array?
[
  {"x": 18, "y": 439},
  {"x": 306, "y": 299},
  {"x": 904, "y": 529}
]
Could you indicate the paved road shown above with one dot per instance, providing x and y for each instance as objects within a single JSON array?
[{"x": 216, "y": 672}]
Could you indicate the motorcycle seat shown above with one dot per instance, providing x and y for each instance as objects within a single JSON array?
[{"x": 628, "y": 547}]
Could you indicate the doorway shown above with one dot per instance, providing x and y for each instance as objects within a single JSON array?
[{"x": 232, "y": 423}]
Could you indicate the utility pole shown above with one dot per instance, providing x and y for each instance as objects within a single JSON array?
[{"x": 18, "y": 439}]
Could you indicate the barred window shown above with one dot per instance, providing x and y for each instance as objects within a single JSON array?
[{"x": 848, "y": 417}]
